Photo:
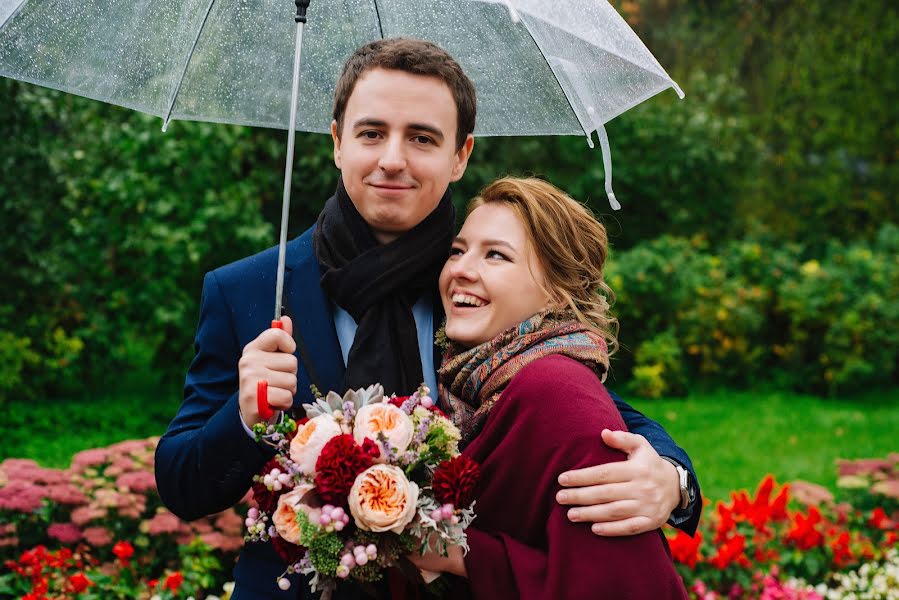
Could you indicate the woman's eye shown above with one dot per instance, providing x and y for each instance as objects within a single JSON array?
[
  {"x": 455, "y": 252},
  {"x": 497, "y": 254}
]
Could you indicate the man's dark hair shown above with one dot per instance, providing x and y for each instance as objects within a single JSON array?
[{"x": 416, "y": 57}]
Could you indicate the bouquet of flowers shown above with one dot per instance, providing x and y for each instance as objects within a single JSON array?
[{"x": 360, "y": 483}]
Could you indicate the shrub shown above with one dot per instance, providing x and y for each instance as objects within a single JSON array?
[{"x": 755, "y": 310}]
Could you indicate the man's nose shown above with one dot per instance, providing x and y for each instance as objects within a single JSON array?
[{"x": 393, "y": 158}]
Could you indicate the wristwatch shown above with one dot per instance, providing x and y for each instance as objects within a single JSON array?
[{"x": 683, "y": 477}]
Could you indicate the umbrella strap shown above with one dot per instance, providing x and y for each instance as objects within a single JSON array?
[{"x": 607, "y": 165}]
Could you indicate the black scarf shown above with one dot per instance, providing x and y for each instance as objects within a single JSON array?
[{"x": 377, "y": 284}]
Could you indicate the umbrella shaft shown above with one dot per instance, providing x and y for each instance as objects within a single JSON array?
[{"x": 288, "y": 170}]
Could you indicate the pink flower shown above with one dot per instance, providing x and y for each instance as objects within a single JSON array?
[
  {"x": 65, "y": 493},
  {"x": 225, "y": 543},
  {"x": 89, "y": 458},
  {"x": 229, "y": 522},
  {"x": 85, "y": 514},
  {"x": 97, "y": 536},
  {"x": 164, "y": 522},
  {"x": 67, "y": 533},
  {"x": 137, "y": 481},
  {"x": 21, "y": 496}
]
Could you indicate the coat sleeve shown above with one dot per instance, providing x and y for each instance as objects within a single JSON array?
[
  {"x": 658, "y": 438},
  {"x": 205, "y": 462},
  {"x": 554, "y": 557}
]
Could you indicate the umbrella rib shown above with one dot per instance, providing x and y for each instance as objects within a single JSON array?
[
  {"x": 13, "y": 13},
  {"x": 378, "y": 16},
  {"x": 190, "y": 55},
  {"x": 558, "y": 82}
]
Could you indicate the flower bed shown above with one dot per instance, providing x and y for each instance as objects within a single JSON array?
[
  {"x": 98, "y": 530},
  {"x": 796, "y": 541}
]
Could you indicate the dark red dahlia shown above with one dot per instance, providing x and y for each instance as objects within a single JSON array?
[
  {"x": 455, "y": 481},
  {"x": 338, "y": 464},
  {"x": 399, "y": 400},
  {"x": 289, "y": 553},
  {"x": 265, "y": 499}
]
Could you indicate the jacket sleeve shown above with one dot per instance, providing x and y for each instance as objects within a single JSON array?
[
  {"x": 688, "y": 518},
  {"x": 205, "y": 462}
]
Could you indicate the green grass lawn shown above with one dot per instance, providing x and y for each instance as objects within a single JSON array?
[{"x": 734, "y": 438}]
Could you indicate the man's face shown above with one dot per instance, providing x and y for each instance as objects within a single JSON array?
[{"x": 397, "y": 151}]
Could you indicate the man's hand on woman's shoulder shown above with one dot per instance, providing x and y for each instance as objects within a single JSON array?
[{"x": 623, "y": 498}]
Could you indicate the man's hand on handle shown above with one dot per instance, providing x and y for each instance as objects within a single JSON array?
[
  {"x": 269, "y": 357},
  {"x": 623, "y": 498}
]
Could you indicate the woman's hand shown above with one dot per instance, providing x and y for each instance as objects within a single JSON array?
[{"x": 433, "y": 561}]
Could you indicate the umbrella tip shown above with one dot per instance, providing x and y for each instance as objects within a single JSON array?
[
  {"x": 165, "y": 126},
  {"x": 613, "y": 202}
]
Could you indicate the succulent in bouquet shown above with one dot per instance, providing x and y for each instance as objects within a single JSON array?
[{"x": 358, "y": 484}]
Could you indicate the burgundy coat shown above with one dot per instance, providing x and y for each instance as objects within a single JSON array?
[{"x": 547, "y": 421}]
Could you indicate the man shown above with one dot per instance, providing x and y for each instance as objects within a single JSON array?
[{"x": 361, "y": 286}]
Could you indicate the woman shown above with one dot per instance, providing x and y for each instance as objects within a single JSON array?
[{"x": 530, "y": 331}]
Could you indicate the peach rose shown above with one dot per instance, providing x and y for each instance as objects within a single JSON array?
[
  {"x": 382, "y": 499},
  {"x": 285, "y": 517},
  {"x": 384, "y": 418},
  {"x": 311, "y": 437}
]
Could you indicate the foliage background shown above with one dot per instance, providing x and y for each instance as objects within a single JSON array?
[{"x": 757, "y": 246}]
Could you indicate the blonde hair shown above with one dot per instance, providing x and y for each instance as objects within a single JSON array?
[{"x": 570, "y": 244}]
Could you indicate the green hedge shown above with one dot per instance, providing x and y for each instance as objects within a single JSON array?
[{"x": 757, "y": 311}]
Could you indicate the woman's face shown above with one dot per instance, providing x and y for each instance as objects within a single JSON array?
[{"x": 492, "y": 280}]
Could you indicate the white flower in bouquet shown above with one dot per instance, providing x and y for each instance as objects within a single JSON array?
[
  {"x": 387, "y": 419},
  {"x": 285, "y": 516},
  {"x": 382, "y": 499},
  {"x": 311, "y": 437}
]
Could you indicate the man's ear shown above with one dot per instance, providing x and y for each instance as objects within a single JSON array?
[
  {"x": 462, "y": 156},
  {"x": 335, "y": 136}
]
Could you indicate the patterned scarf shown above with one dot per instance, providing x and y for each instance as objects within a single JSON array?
[{"x": 472, "y": 380}]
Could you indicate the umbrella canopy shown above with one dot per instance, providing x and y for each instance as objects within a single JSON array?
[{"x": 540, "y": 68}]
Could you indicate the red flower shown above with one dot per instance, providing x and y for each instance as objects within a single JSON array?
[
  {"x": 266, "y": 500},
  {"x": 685, "y": 549},
  {"x": 729, "y": 552},
  {"x": 398, "y": 401},
  {"x": 152, "y": 584},
  {"x": 123, "y": 551},
  {"x": 455, "y": 481},
  {"x": 842, "y": 555},
  {"x": 880, "y": 520},
  {"x": 79, "y": 582},
  {"x": 289, "y": 553},
  {"x": 173, "y": 581},
  {"x": 338, "y": 464},
  {"x": 891, "y": 538},
  {"x": 803, "y": 533}
]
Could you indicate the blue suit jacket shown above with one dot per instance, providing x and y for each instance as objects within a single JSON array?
[{"x": 205, "y": 462}]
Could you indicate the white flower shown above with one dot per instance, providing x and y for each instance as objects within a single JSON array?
[
  {"x": 382, "y": 499},
  {"x": 385, "y": 418},
  {"x": 311, "y": 437},
  {"x": 285, "y": 517}
]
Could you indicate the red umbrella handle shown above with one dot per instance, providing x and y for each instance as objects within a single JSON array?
[{"x": 262, "y": 405}]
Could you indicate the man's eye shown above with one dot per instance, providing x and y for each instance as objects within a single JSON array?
[
  {"x": 370, "y": 135},
  {"x": 422, "y": 139}
]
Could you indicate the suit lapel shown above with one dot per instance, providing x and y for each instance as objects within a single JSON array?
[{"x": 310, "y": 309}]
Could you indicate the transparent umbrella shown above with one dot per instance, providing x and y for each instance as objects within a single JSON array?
[{"x": 560, "y": 67}]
